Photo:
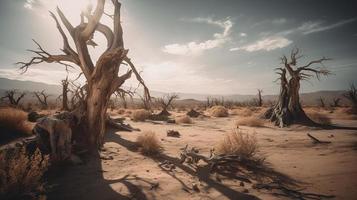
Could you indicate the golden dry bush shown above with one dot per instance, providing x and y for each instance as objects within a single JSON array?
[
  {"x": 21, "y": 171},
  {"x": 140, "y": 115},
  {"x": 319, "y": 117},
  {"x": 148, "y": 142},
  {"x": 183, "y": 120},
  {"x": 249, "y": 121},
  {"x": 218, "y": 111},
  {"x": 238, "y": 143},
  {"x": 13, "y": 123}
]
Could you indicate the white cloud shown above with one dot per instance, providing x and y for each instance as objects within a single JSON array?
[
  {"x": 266, "y": 44},
  {"x": 243, "y": 34},
  {"x": 194, "y": 48},
  {"x": 29, "y": 4},
  {"x": 37, "y": 74},
  {"x": 314, "y": 27},
  {"x": 311, "y": 27}
]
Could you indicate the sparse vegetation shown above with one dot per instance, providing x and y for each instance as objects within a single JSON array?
[
  {"x": 218, "y": 111},
  {"x": 351, "y": 95},
  {"x": 148, "y": 142},
  {"x": 183, "y": 120},
  {"x": 13, "y": 124},
  {"x": 249, "y": 121},
  {"x": 21, "y": 171},
  {"x": 238, "y": 143},
  {"x": 140, "y": 115}
]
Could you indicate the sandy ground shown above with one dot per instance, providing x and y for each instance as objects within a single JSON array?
[{"x": 124, "y": 173}]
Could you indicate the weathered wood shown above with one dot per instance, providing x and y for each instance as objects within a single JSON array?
[
  {"x": 103, "y": 77},
  {"x": 288, "y": 109},
  {"x": 317, "y": 141}
]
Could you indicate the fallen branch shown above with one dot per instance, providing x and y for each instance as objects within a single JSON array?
[
  {"x": 317, "y": 141},
  {"x": 119, "y": 124},
  {"x": 291, "y": 193}
]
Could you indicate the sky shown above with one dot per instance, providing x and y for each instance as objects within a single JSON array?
[{"x": 197, "y": 46}]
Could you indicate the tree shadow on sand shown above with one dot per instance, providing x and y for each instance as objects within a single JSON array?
[
  {"x": 87, "y": 182},
  {"x": 262, "y": 177}
]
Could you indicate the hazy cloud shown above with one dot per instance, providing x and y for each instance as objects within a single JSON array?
[
  {"x": 314, "y": 27},
  {"x": 194, "y": 48},
  {"x": 266, "y": 44}
]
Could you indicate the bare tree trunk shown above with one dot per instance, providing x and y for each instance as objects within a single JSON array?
[
  {"x": 288, "y": 109},
  {"x": 65, "y": 94},
  {"x": 97, "y": 102}
]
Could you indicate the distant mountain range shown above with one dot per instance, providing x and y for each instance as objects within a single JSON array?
[{"x": 55, "y": 90}]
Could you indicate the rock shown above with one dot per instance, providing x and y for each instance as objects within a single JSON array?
[
  {"x": 173, "y": 133},
  {"x": 33, "y": 116},
  {"x": 192, "y": 113},
  {"x": 195, "y": 187},
  {"x": 241, "y": 184},
  {"x": 245, "y": 191},
  {"x": 171, "y": 121}
]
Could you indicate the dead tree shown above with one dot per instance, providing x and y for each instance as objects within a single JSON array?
[
  {"x": 103, "y": 77},
  {"x": 123, "y": 94},
  {"x": 321, "y": 102},
  {"x": 145, "y": 103},
  {"x": 78, "y": 97},
  {"x": 336, "y": 102},
  {"x": 260, "y": 100},
  {"x": 351, "y": 95},
  {"x": 42, "y": 98},
  {"x": 64, "y": 95},
  {"x": 288, "y": 109},
  {"x": 166, "y": 102},
  {"x": 13, "y": 96}
]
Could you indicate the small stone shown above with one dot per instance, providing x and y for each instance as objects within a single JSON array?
[
  {"x": 241, "y": 184},
  {"x": 195, "y": 187}
]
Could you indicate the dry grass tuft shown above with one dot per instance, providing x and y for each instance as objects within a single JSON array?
[
  {"x": 218, "y": 111},
  {"x": 249, "y": 121},
  {"x": 238, "y": 143},
  {"x": 140, "y": 115},
  {"x": 13, "y": 123},
  {"x": 183, "y": 120},
  {"x": 319, "y": 117},
  {"x": 148, "y": 142}
]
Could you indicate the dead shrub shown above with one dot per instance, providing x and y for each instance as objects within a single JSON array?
[
  {"x": 238, "y": 143},
  {"x": 148, "y": 142},
  {"x": 121, "y": 111},
  {"x": 249, "y": 121},
  {"x": 140, "y": 115},
  {"x": 218, "y": 111},
  {"x": 183, "y": 120},
  {"x": 13, "y": 124},
  {"x": 21, "y": 172},
  {"x": 319, "y": 117}
]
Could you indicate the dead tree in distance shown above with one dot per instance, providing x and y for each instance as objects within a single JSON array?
[
  {"x": 260, "y": 100},
  {"x": 165, "y": 103},
  {"x": 103, "y": 77},
  {"x": 65, "y": 91},
  {"x": 288, "y": 109},
  {"x": 13, "y": 96},
  {"x": 351, "y": 95},
  {"x": 321, "y": 102},
  {"x": 42, "y": 98},
  {"x": 336, "y": 102}
]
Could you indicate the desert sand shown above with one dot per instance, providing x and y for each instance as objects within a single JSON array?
[{"x": 122, "y": 172}]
